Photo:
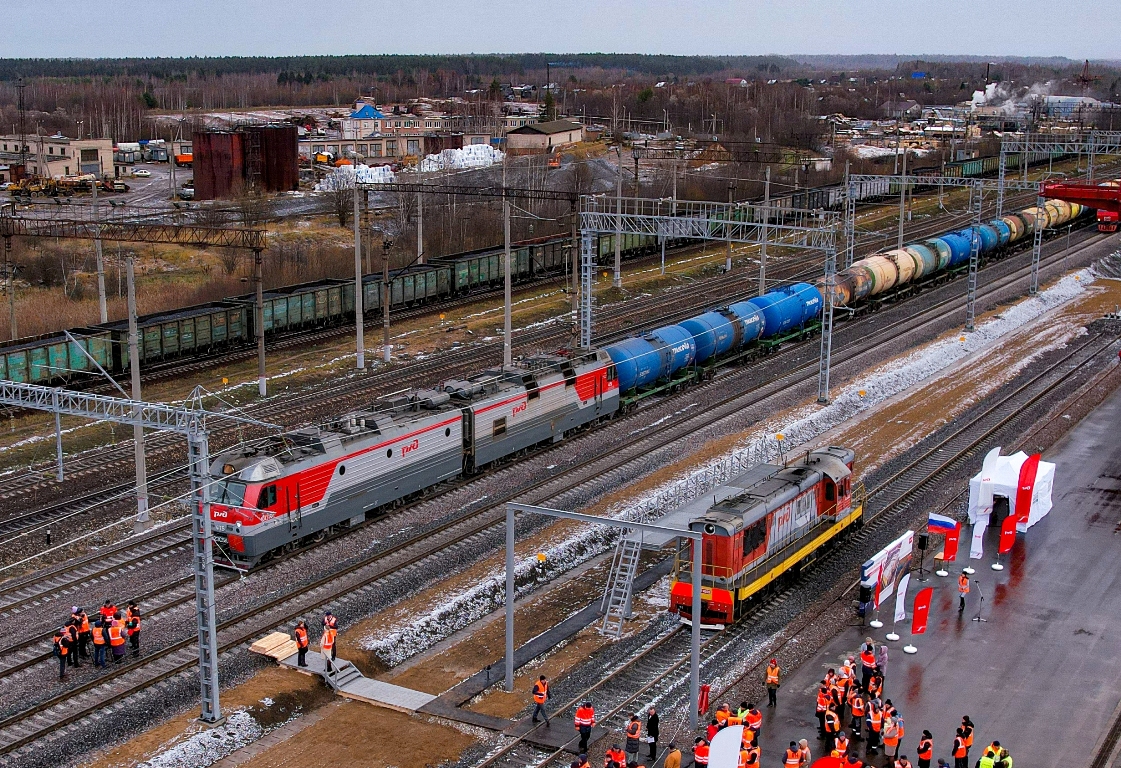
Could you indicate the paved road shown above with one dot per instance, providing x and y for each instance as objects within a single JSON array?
[{"x": 1043, "y": 674}]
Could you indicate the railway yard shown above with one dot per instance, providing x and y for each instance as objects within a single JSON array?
[{"x": 762, "y": 397}]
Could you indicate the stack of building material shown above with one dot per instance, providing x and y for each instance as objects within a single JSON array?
[{"x": 277, "y": 646}]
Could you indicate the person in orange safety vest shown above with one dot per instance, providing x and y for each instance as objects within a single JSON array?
[
  {"x": 584, "y": 722},
  {"x": 540, "y": 696}
]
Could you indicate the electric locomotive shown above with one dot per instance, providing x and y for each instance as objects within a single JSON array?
[
  {"x": 297, "y": 488},
  {"x": 769, "y": 521}
]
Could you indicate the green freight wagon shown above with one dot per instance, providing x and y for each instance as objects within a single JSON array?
[
  {"x": 53, "y": 358},
  {"x": 183, "y": 333}
]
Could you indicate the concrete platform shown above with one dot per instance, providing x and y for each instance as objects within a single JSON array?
[
  {"x": 449, "y": 704},
  {"x": 558, "y": 735},
  {"x": 357, "y": 686},
  {"x": 1043, "y": 674}
]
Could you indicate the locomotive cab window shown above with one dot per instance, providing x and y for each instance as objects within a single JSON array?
[
  {"x": 754, "y": 536},
  {"x": 830, "y": 492},
  {"x": 612, "y": 374},
  {"x": 499, "y": 427},
  {"x": 229, "y": 492},
  {"x": 267, "y": 497}
]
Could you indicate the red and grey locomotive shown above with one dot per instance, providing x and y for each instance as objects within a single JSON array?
[
  {"x": 767, "y": 522},
  {"x": 299, "y": 487}
]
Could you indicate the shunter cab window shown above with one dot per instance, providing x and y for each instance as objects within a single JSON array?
[
  {"x": 754, "y": 535},
  {"x": 229, "y": 492},
  {"x": 830, "y": 494},
  {"x": 267, "y": 497}
]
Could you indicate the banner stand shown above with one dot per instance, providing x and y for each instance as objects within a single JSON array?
[
  {"x": 997, "y": 565},
  {"x": 968, "y": 570},
  {"x": 908, "y": 648},
  {"x": 876, "y": 623}
]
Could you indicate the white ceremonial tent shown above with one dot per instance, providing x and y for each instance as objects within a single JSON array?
[{"x": 1000, "y": 476}]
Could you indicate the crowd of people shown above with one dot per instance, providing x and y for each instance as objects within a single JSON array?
[
  {"x": 857, "y": 725},
  {"x": 113, "y": 633}
]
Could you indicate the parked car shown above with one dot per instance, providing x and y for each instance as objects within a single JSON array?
[
  {"x": 142, "y": 173},
  {"x": 187, "y": 193}
]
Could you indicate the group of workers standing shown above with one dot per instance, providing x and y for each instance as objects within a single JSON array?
[
  {"x": 113, "y": 633},
  {"x": 634, "y": 734},
  {"x": 327, "y": 641}
]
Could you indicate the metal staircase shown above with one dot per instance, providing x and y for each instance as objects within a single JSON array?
[
  {"x": 342, "y": 672},
  {"x": 617, "y": 596}
]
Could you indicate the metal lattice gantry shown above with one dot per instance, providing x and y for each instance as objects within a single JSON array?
[
  {"x": 977, "y": 188},
  {"x": 191, "y": 423},
  {"x": 1091, "y": 144},
  {"x": 722, "y": 222},
  {"x": 513, "y": 508}
]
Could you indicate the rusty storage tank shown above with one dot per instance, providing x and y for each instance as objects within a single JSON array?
[
  {"x": 883, "y": 272},
  {"x": 219, "y": 164},
  {"x": 926, "y": 260},
  {"x": 272, "y": 157},
  {"x": 904, "y": 265}
]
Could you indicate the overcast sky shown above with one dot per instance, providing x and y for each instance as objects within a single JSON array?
[{"x": 96, "y": 28}]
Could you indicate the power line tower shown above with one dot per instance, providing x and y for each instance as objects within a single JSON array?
[{"x": 20, "y": 85}]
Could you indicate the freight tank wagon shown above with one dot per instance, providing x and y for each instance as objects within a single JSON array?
[{"x": 766, "y": 523}]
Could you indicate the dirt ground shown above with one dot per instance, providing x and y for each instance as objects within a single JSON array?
[
  {"x": 355, "y": 732},
  {"x": 290, "y": 693}
]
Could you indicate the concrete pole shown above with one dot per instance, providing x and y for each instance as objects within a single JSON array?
[
  {"x": 142, "y": 520},
  {"x": 618, "y": 281},
  {"x": 574, "y": 254},
  {"x": 101, "y": 304},
  {"x": 359, "y": 333},
  {"x": 728, "y": 253},
  {"x": 509, "y": 599},
  {"x": 695, "y": 639},
  {"x": 902, "y": 203},
  {"x": 507, "y": 344},
  {"x": 766, "y": 230},
  {"x": 259, "y": 280},
  {"x": 419, "y": 228},
  {"x": 9, "y": 270},
  {"x": 386, "y": 354},
  {"x": 674, "y": 193}
]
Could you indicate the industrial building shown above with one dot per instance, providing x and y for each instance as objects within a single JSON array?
[
  {"x": 256, "y": 157},
  {"x": 57, "y": 156},
  {"x": 543, "y": 137}
]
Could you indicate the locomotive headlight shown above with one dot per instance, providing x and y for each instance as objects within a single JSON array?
[
  {"x": 237, "y": 526},
  {"x": 710, "y": 528}
]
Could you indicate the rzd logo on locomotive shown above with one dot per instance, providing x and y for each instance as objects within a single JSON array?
[
  {"x": 519, "y": 408},
  {"x": 408, "y": 448}
]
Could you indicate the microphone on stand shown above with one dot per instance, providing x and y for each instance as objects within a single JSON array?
[{"x": 981, "y": 604}]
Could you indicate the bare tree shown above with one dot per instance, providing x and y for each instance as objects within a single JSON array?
[{"x": 339, "y": 190}]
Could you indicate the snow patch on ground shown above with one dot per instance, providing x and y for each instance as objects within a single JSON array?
[
  {"x": 469, "y": 605},
  {"x": 208, "y": 747}
]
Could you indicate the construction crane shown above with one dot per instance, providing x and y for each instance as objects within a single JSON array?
[{"x": 1085, "y": 79}]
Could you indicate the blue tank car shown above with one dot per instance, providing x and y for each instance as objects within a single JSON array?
[
  {"x": 749, "y": 315},
  {"x": 713, "y": 332},
  {"x": 658, "y": 354},
  {"x": 990, "y": 238},
  {"x": 788, "y": 307}
]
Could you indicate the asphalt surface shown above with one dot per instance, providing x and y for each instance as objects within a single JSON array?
[{"x": 1043, "y": 674}]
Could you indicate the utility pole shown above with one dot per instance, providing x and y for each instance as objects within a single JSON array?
[
  {"x": 728, "y": 254},
  {"x": 359, "y": 335},
  {"x": 10, "y": 273},
  {"x": 419, "y": 228},
  {"x": 101, "y": 305},
  {"x": 259, "y": 281},
  {"x": 385, "y": 246},
  {"x": 507, "y": 348},
  {"x": 142, "y": 520},
  {"x": 902, "y": 203},
  {"x": 618, "y": 281},
  {"x": 766, "y": 228}
]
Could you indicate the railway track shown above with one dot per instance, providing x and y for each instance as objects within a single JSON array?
[
  {"x": 707, "y": 290},
  {"x": 660, "y": 672},
  {"x": 396, "y": 562},
  {"x": 634, "y": 449}
]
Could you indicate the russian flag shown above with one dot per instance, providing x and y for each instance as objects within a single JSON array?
[{"x": 940, "y": 524}]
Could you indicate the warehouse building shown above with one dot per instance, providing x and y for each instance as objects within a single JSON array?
[
  {"x": 58, "y": 156},
  {"x": 539, "y": 138}
]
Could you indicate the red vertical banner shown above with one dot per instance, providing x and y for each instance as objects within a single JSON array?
[
  {"x": 879, "y": 581},
  {"x": 1007, "y": 535},
  {"x": 1028, "y": 470},
  {"x": 950, "y": 550},
  {"x": 702, "y": 704},
  {"x": 922, "y": 610}
]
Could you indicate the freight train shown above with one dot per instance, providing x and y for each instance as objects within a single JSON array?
[
  {"x": 764, "y": 524},
  {"x": 227, "y": 325},
  {"x": 300, "y": 487}
]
